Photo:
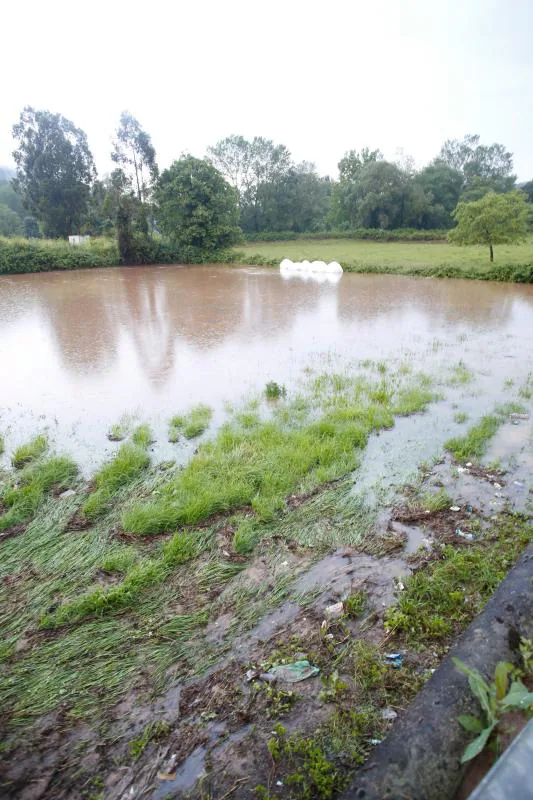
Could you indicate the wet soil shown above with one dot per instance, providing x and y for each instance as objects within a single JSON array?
[{"x": 217, "y": 725}]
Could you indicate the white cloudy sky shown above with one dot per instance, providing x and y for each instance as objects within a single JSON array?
[{"x": 320, "y": 77}]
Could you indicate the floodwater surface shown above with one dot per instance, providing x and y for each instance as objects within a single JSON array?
[{"x": 79, "y": 349}]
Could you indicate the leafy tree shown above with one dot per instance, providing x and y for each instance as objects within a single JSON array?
[
  {"x": 442, "y": 187},
  {"x": 476, "y": 160},
  {"x": 494, "y": 219},
  {"x": 197, "y": 208},
  {"x": 352, "y": 163},
  {"x": 10, "y": 223},
  {"x": 31, "y": 228},
  {"x": 55, "y": 170},
  {"x": 10, "y": 198},
  {"x": 527, "y": 188},
  {"x": 297, "y": 201},
  {"x": 249, "y": 166},
  {"x": 485, "y": 168},
  {"x": 134, "y": 153}
]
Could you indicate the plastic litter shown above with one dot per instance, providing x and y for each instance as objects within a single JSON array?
[
  {"x": 455, "y": 508},
  {"x": 469, "y": 508},
  {"x": 334, "y": 611},
  {"x": 518, "y": 417},
  {"x": 375, "y": 741},
  {"x": 388, "y": 714},
  {"x": 394, "y": 659},
  {"x": 295, "y": 672},
  {"x": 468, "y": 464},
  {"x": 67, "y": 493},
  {"x": 497, "y": 485},
  {"x": 463, "y": 534},
  {"x": 257, "y": 675},
  {"x": 462, "y": 469}
]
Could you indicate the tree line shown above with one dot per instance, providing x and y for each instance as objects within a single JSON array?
[{"x": 253, "y": 186}]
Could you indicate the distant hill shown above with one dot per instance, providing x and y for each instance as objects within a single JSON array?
[{"x": 6, "y": 173}]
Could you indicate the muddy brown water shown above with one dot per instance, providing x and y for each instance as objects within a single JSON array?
[{"x": 78, "y": 349}]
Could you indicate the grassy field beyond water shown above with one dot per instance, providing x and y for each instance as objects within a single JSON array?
[{"x": 437, "y": 259}]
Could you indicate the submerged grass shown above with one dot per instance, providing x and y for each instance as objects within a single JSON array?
[
  {"x": 474, "y": 443},
  {"x": 259, "y": 463},
  {"x": 190, "y": 425},
  {"x": 30, "y": 451}
]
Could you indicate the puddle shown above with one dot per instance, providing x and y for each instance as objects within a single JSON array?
[{"x": 186, "y": 775}]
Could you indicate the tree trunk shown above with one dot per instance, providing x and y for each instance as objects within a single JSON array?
[{"x": 491, "y": 253}]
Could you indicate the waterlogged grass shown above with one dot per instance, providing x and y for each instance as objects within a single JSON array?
[
  {"x": 2, "y": 445},
  {"x": 129, "y": 462},
  {"x": 138, "y": 576},
  {"x": 22, "y": 498},
  {"x": 459, "y": 375},
  {"x": 259, "y": 464},
  {"x": 444, "y": 597},
  {"x": 190, "y": 425},
  {"x": 30, "y": 451},
  {"x": 474, "y": 443},
  {"x": 142, "y": 436}
]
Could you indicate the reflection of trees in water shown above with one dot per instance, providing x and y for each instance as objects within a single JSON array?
[
  {"x": 81, "y": 316},
  {"x": 157, "y": 308}
]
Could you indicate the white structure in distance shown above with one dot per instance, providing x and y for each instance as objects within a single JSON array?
[
  {"x": 318, "y": 271},
  {"x": 76, "y": 240}
]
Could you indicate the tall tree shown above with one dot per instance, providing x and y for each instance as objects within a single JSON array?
[
  {"x": 134, "y": 153},
  {"x": 197, "y": 208},
  {"x": 494, "y": 219},
  {"x": 485, "y": 168},
  {"x": 10, "y": 222},
  {"x": 55, "y": 170},
  {"x": 353, "y": 161},
  {"x": 249, "y": 166},
  {"x": 442, "y": 186}
]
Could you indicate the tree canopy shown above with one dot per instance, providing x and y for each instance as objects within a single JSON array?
[
  {"x": 197, "y": 208},
  {"x": 134, "y": 153},
  {"x": 494, "y": 219},
  {"x": 55, "y": 170}
]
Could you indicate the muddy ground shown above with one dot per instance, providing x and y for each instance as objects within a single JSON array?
[{"x": 218, "y": 736}]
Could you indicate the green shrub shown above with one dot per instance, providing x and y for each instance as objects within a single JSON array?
[
  {"x": 372, "y": 234},
  {"x": 40, "y": 255}
]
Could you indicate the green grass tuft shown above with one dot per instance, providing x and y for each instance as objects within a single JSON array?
[
  {"x": 129, "y": 462},
  {"x": 474, "y": 443},
  {"x": 192, "y": 424},
  {"x": 142, "y": 436},
  {"x": 30, "y": 451},
  {"x": 273, "y": 390},
  {"x": 24, "y": 498}
]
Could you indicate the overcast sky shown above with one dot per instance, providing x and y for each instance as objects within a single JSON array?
[{"x": 319, "y": 77}]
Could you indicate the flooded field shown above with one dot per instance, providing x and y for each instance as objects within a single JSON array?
[
  {"x": 79, "y": 350},
  {"x": 349, "y": 522}
]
